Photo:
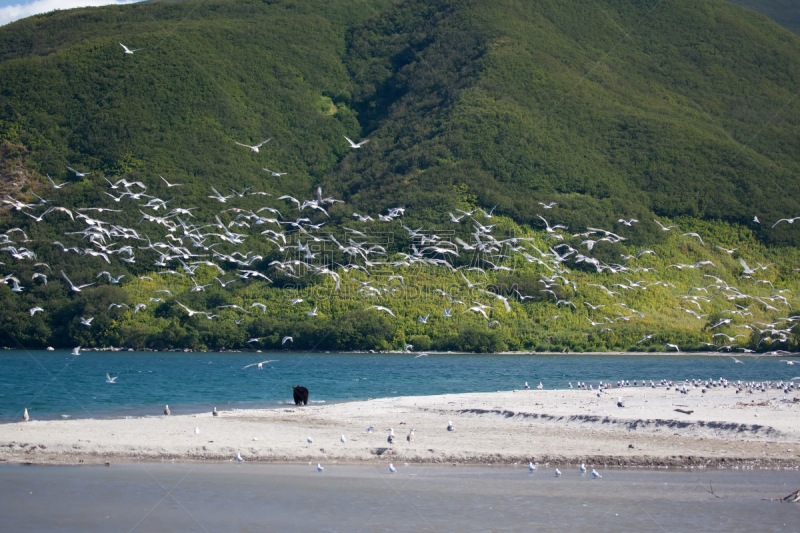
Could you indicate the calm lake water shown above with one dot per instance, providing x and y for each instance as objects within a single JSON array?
[
  {"x": 56, "y": 384},
  {"x": 250, "y": 497}
]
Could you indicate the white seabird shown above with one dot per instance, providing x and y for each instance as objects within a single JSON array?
[
  {"x": 256, "y": 147},
  {"x": 355, "y": 145},
  {"x": 392, "y": 469}
]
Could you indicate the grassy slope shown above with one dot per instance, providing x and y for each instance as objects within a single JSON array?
[{"x": 609, "y": 108}]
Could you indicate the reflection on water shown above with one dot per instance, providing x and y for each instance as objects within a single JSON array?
[
  {"x": 52, "y": 384},
  {"x": 250, "y": 497}
]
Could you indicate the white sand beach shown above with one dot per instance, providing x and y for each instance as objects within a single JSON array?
[{"x": 555, "y": 426}]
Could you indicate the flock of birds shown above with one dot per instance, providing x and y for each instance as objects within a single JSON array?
[
  {"x": 688, "y": 385},
  {"x": 410, "y": 438},
  {"x": 187, "y": 245}
]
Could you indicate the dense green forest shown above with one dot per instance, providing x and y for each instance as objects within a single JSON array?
[
  {"x": 615, "y": 109},
  {"x": 784, "y": 12}
]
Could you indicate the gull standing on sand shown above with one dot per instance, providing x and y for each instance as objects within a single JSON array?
[
  {"x": 595, "y": 473},
  {"x": 392, "y": 469},
  {"x": 370, "y": 428},
  {"x": 214, "y": 412},
  {"x": 390, "y": 440},
  {"x": 310, "y": 440},
  {"x": 320, "y": 468},
  {"x": 619, "y": 401},
  {"x": 25, "y": 415},
  {"x": 344, "y": 440},
  {"x": 450, "y": 426},
  {"x": 410, "y": 437},
  {"x": 239, "y": 458},
  {"x": 527, "y": 386},
  {"x": 166, "y": 410}
]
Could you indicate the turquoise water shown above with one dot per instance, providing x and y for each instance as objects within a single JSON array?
[
  {"x": 56, "y": 384},
  {"x": 250, "y": 497}
]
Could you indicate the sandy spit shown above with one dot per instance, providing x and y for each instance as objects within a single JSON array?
[{"x": 560, "y": 427}]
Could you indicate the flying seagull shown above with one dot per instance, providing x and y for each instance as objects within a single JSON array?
[
  {"x": 170, "y": 184},
  {"x": 381, "y": 308},
  {"x": 109, "y": 379},
  {"x": 73, "y": 286},
  {"x": 256, "y": 147},
  {"x": 275, "y": 174},
  {"x": 79, "y": 174},
  {"x": 59, "y": 185},
  {"x": 355, "y": 145},
  {"x": 128, "y": 50},
  {"x": 261, "y": 363}
]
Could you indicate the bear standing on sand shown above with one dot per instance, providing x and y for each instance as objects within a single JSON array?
[{"x": 300, "y": 395}]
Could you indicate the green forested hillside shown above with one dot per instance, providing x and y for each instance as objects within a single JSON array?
[
  {"x": 784, "y": 12},
  {"x": 673, "y": 108},
  {"x": 613, "y": 109}
]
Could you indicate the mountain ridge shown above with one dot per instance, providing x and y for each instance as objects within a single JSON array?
[{"x": 612, "y": 110}]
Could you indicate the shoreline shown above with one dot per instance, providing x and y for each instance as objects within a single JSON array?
[
  {"x": 399, "y": 352},
  {"x": 559, "y": 427}
]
